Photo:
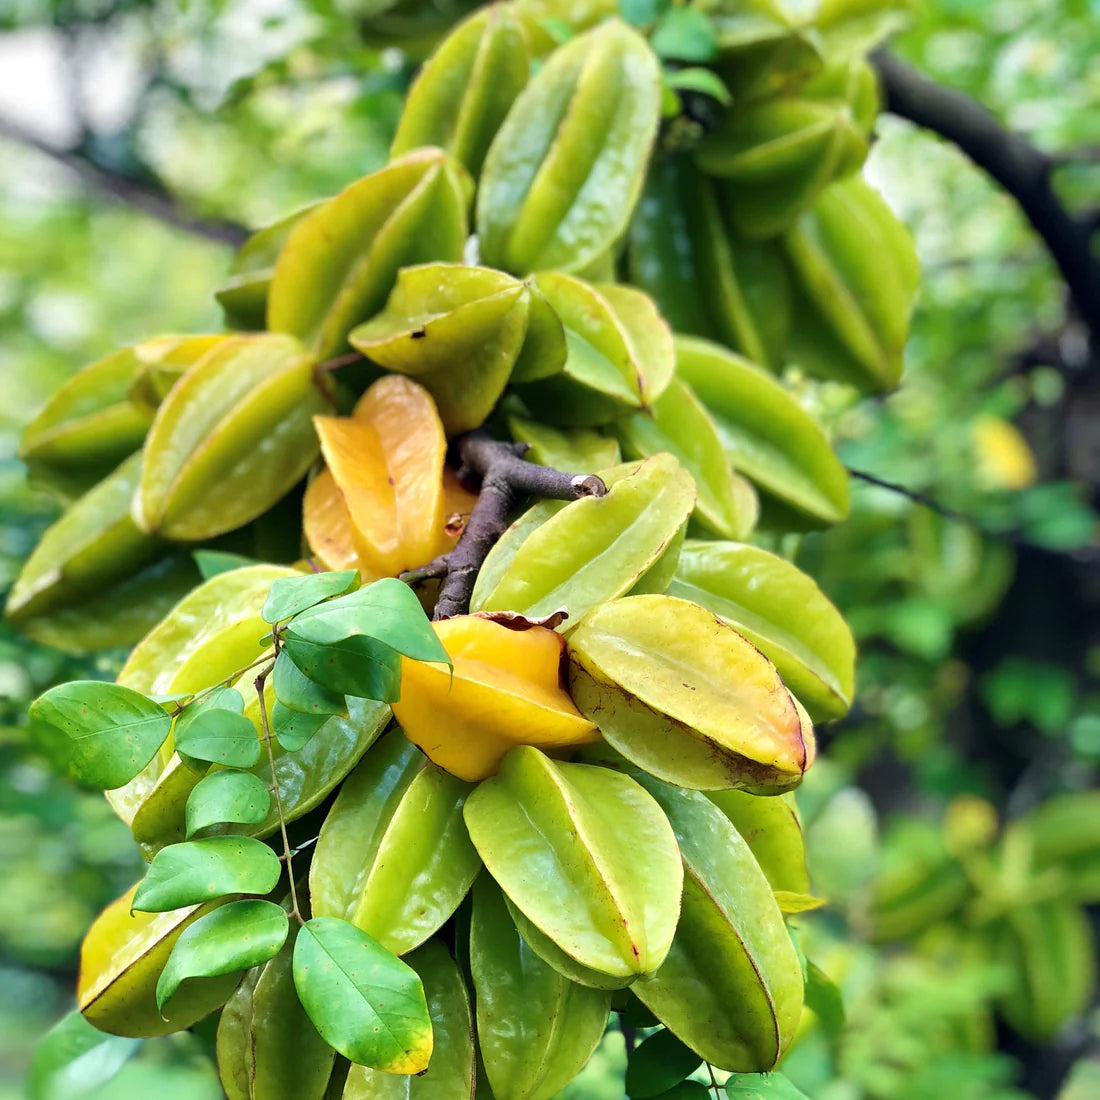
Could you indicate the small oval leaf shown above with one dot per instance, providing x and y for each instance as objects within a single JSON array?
[{"x": 362, "y": 999}]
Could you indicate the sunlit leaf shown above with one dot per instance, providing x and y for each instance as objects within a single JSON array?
[
  {"x": 291, "y": 595},
  {"x": 233, "y": 937},
  {"x": 99, "y": 734},
  {"x": 227, "y": 797},
  {"x": 200, "y": 870},
  {"x": 362, "y": 999}
]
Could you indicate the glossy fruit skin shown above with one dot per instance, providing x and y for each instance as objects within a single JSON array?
[
  {"x": 612, "y": 353},
  {"x": 777, "y": 155},
  {"x": 231, "y": 439},
  {"x": 102, "y": 413},
  {"x": 465, "y": 90},
  {"x": 856, "y": 272},
  {"x": 781, "y": 611},
  {"x": 95, "y": 579},
  {"x": 386, "y": 461},
  {"x": 267, "y": 1048},
  {"x": 536, "y": 1029},
  {"x": 562, "y": 840},
  {"x": 244, "y": 294},
  {"x": 768, "y": 437},
  {"x": 584, "y": 124},
  {"x": 579, "y": 555},
  {"x": 677, "y": 423},
  {"x": 457, "y": 330},
  {"x": 771, "y": 829},
  {"x": 707, "y": 280},
  {"x": 394, "y": 856},
  {"x": 505, "y": 689},
  {"x": 731, "y": 987},
  {"x": 340, "y": 261},
  {"x": 627, "y": 663},
  {"x": 121, "y": 959}
]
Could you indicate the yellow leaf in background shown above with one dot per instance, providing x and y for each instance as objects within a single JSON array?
[
  {"x": 1005, "y": 460},
  {"x": 506, "y": 691}
]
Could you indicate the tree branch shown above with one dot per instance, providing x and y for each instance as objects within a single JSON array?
[
  {"x": 505, "y": 480},
  {"x": 1085, "y": 555},
  {"x": 1012, "y": 161},
  {"x": 147, "y": 197}
]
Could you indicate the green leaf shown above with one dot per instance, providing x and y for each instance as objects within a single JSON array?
[
  {"x": 236, "y": 936},
  {"x": 291, "y": 595},
  {"x": 227, "y": 797},
  {"x": 642, "y": 13},
  {"x": 99, "y": 734},
  {"x": 293, "y": 729},
  {"x": 298, "y": 692},
  {"x": 685, "y": 34},
  {"x": 685, "y": 1090},
  {"x": 362, "y": 999},
  {"x": 762, "y": 1086},
  {"x": 351, "y": 644},
  {"x": 387, "y": 611},
  {"x": 453, "y": 1059},
  {"x": 823, "y": 996},
  {"x": 74, "y": 1058},
  {"x": 657, "y": 1064},
  {"x": 356, "y": 666},
  {"x": 560, "y": 31},
  {"x": 211, "y": 731},
  {"x": 213, "y": 562},
  {"x": 200, "y": 870},
  {"x": 703, "y": 81}
]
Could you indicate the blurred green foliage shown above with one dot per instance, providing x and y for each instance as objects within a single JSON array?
[{"x": 247, "y": 111}]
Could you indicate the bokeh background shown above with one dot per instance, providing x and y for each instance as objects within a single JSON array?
[{"x": 138, "y": 136}]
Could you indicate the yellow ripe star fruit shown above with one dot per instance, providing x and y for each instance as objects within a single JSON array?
[
  {"x": 385, "y": 501},
  {"x": 506, "y": 690}
]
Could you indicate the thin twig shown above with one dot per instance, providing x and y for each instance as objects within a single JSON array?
[
  {"x": 340, "y": 361},
  {"x": 713, "y": 1080},
  {"x": 917, "y": 498},
  {"x": 288, "y": 855},
  {"x": 1085, "y": 555}
]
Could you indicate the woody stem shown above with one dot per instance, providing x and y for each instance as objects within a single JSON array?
[{"x": 505, "y": 480}]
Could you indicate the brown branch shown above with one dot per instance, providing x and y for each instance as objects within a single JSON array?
[
  {"x": 1012, "y": 161},
  {"x": 149, "y": 198},
  {"x": 505, "y": 480}
]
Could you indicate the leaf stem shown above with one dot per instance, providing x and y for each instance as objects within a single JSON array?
[
  {"x": 713, "y": 1080},
  {"x": 288, "y": 855}
]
